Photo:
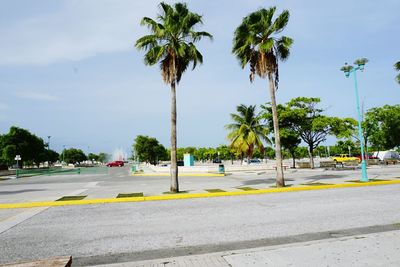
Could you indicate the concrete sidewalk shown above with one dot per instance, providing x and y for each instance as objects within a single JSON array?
[{"x": 377, "y": 249}]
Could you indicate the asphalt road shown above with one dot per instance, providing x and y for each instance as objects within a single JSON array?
[{"x": 98, "y": 234}]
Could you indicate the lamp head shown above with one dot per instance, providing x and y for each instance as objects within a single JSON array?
[
  {"x": 361, "y": 63},
  {"x": 346, "y": 69}
]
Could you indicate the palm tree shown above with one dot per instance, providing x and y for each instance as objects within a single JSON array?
[
  {"x": 172, "y": 45},
  {"x": 397, "y": 67},
  {"x": 247, "y": 132},
  {"x": 255, "y": 43}
]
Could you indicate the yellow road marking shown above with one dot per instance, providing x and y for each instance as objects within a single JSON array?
[
  {"x": 188, "y": 196},
  {"x": 181, "y": 174}
]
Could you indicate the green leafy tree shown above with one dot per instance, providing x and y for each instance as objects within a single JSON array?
[
  {"x": 289, "y": 139},
  {"x": 93, "y": 157},
  {"x": 51, "y": 156},
  {"x": 180, "y": 152},
  {"x": 172, "y": 45},
  {"x": 149, "y": 150},
  {"x": 103, "y": 157},
  {"x": 73, "y": 156},
  {"x": 224, "y": 152},
  {"x": 21, "y": 142},
  {"x": 255, "y": 43},
  {"x": 247, "y": 132},
  {"x": 210, "y": 153},
  {"x": 302, "y": 116},
  {"x": 346, "y": 146},
  {"x": 385, "y": 123},
  {"x": 397, "y": 68}
]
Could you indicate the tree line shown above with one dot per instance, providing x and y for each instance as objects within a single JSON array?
[
  {"x": 301, "y": 121},
  {"x": 34, "y": 150}
]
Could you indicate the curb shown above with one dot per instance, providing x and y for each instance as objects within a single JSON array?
[
  {"x": 180, "y": 174},
  {"x": 189, "y": 196}
]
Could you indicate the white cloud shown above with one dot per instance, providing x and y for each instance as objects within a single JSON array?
[
  {"x": 79, "y": 29},
  {"x": 36, "y": 96}
]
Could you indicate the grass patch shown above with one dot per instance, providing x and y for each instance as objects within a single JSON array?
[
  {"x": 246, "y": 188},
  {"x": 369, "y": 180},
  {"x": 316, "y": 184},
  {"x": 68, "y": 198},
  {"x": 215, "y": 190},
  {"x": 274, "y": 186},
  {"x": 173, "y": 193},
  {"x": 396, "y": 225},
  {"x": 130, "y": 195}
]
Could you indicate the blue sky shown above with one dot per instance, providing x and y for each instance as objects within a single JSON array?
[{"x": 69, "y": 68}]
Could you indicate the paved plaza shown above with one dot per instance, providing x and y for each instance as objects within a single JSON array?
[
  {"x": 336, "y": 227},
  {"x": 113, "y": 181}
]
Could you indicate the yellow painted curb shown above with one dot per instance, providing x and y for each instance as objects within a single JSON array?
[
  {"x": 189, "y": 196},
  {"x": 181, "y": 174}
]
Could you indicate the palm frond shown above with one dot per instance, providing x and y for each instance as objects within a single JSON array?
[
  {"x": 247, "y": 132},
  {"x": 283, "y": 46},
  {"x": 172, "y": 41},
  {"x": 255, "y": 43},
  {"x": 397, "y": 66},
  {"x": 281, "y": 22}
]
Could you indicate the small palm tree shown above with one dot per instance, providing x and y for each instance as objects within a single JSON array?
[
  {"x": 247, "y": 132},
  {"x": 172, "y": 45},
  {"x": 255, "y": 43},
  {"x": 397, "y": 67}
]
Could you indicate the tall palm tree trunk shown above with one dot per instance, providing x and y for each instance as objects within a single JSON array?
[
  {"x": 174, "y": 168},
  {"x": 280, "y": 181},
  {"x": 310, "y": 155}
]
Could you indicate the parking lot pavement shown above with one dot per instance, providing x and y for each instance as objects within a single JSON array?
[{"x": 119, "y": 180}]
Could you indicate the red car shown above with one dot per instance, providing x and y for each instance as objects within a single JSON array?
[
  {"x": 117, "y": 163},
  {"x": 369, "y": 157}
]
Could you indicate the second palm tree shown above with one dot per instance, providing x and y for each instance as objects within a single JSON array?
[{"x": 254, "y": 43}]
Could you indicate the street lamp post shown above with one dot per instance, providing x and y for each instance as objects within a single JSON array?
[
  {"x": 48, "y": 143},
  {"x": 347, "y": 69},
  {"x": 17, "y": 158}
]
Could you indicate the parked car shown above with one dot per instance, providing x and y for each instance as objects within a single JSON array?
[
  {"x": 180, "y": 163},
  {"x": 370, "y": 156},
  {"x": 344, "y": 157},
  {"x": 255, "y": 161},
  {"x": 217, "y": 160},
  {"x": 117, "y": 163}
]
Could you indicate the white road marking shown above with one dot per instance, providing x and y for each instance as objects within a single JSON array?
[
  {"x": 77, "y": 192},
  {"x": 91, "y": 184}
]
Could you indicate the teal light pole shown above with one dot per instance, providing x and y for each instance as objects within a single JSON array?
[{"x": 353, "y": 70}]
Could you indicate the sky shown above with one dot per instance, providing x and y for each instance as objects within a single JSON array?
[{"x": 69, "y": 68}]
